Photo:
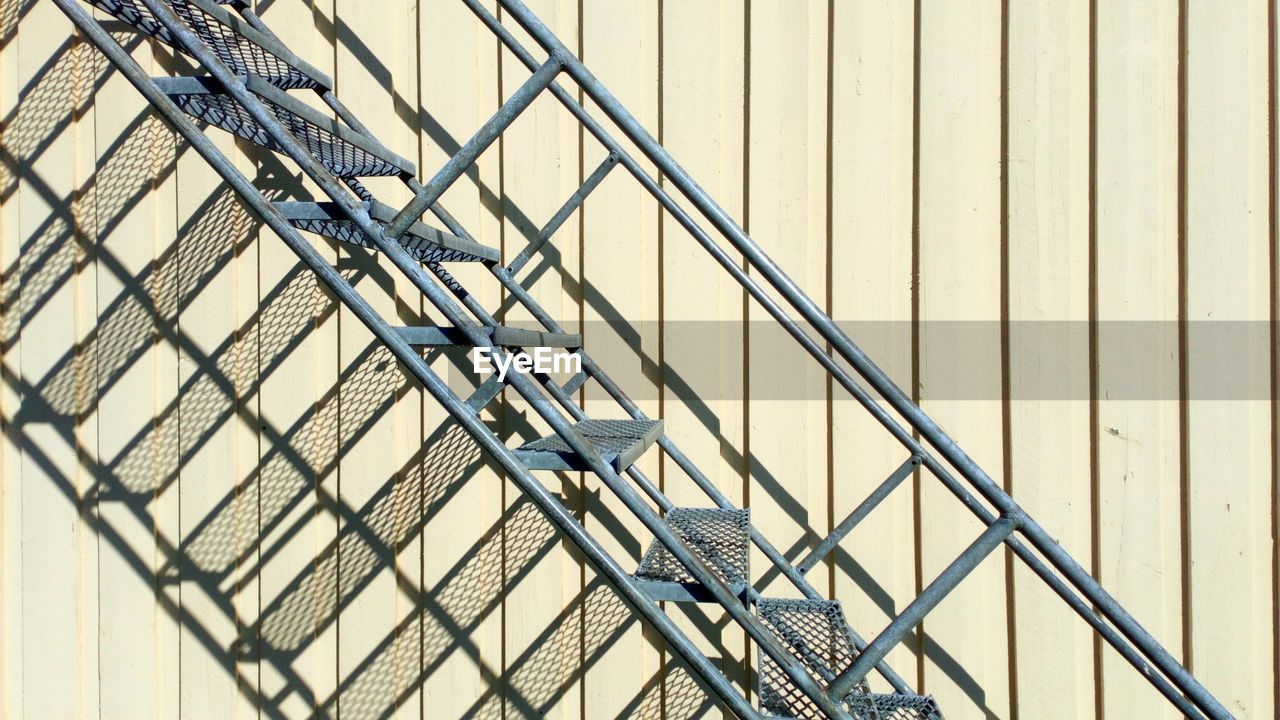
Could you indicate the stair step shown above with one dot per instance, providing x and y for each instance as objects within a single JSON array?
[
  {"x": 816, "y": 633},
  {"x": 501, "y": 335},
  {"x": 422, "y": 241},
  {"x": 721, "y": 537},
  {"x": 244, "y": 49},
  {"x": 619, "y": 442},
  {"x": 345, "y": 152}
]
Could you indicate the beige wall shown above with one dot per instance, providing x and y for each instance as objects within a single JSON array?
[{"x": 219, "y": 500}]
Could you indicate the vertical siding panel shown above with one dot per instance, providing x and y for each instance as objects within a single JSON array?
[
  {"x": 296, "y": 340},
  {"x": 871, "y": 297},
  {"x": 959, "y": 239},
  {"x": 620, "y": 291},
  {"x": 702, "y": 309},
  {"x": 166, "y": 507},
  {"x": 1273, "y": 218},
  {"x": 59, "y": 630},
  {"x": 1048, "y": 305},
  {"x": 214, "y": 451},
  {"x": 787, "y": 415},
  {"x": 1136, "y": 211},
  {"x": 136, "y": 370},
  {"x": 540, "y": 168},
  {"x": 11, "y": 530},
  {"x": 84, "y": 394},
  {"x": 1226, "y": 269},
  {"x": 381, "y": 409},
  {"x": 462, "y": 494}
]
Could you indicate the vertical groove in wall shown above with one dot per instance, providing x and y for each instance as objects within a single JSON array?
[
  {"x": 915, "y": 324},
  {"x": 661, "y": 230},
  {"x": 581, "y": 302},
  {"x": 1273, "y": 300},
  {"x": 1095, "y": 507},
  {"x": 419, "y": 114},
  {"x": 663, "y": 653},
  {"x": 829, "y": 297},
  {"x": 745, "y": 367},
  {"x": 746, "y": 228},
  {"x": 1184, "y": 416},
  {"x": 1006, "y": 411},
  {"x": 339, "y": 409},
  {"x": 503, "y": 408},
  {"x": 94, "y": 373}
]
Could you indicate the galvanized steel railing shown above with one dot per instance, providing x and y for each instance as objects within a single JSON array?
[
  {"x": 1008, "y": 520},
  {"x": 1005, "y": 520}
]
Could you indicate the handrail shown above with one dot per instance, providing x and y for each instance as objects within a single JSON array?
[{"x": 866, "y": 368}]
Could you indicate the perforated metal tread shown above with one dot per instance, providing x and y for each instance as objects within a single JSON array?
[
  {"x": 721, "y": 537},
  {"x": 422, "y": 241},
  {"x": 244, "y": 49},
  {"x": 342, "y": 150},
  {"x": 619, "y": 443},
  {"x": 817, "y": 635}
]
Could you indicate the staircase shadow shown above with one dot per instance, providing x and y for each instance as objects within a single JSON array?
[{"x": 225, "y": 548}]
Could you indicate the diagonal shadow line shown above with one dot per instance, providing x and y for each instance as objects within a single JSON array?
[
  {"x": 456, "y": 609},
  {"x": 11, "y": 14},
  {"x": 121, "y": 148},
  {"x": 533, "y": 656},
  {"x": 30, "y": 393},
  {"x": 380, "y": 548},
  {"x": 672, "y": 692},
  {"x": 188, "y": 348},
  {"x": 120, "y": 331},
  {"x": 371, "y": 542},
  {"x": 604, "y": 626},
  {"x": 55, "y": 77},
  {"x": 85, "y": 509}
]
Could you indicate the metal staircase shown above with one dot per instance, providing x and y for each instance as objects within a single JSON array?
[{"x": 811, "y": 664}]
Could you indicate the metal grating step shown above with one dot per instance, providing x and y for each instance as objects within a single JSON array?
[
  {"x": 422, "y": 241},
  {"x": 619, "y": 443},
  {"x": 721, "y": 537},
  {"x": 816, "y": 633},
  {"x": 430, "y": 336},
  {"x": 342, "y": 150},
  {"x": 241, "y": 46}
]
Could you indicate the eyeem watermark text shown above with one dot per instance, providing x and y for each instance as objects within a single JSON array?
[{"x": 543, "y": 360}]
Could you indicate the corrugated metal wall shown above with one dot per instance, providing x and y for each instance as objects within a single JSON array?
[{"x": 220, "y": 501}]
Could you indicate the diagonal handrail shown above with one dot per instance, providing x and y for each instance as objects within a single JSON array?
[{"x": 917, "y": 419}]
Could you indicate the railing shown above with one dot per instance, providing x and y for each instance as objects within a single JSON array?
[{"x": 1006, "y": 522}]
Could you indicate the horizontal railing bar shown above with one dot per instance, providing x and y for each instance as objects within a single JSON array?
[
  {"x": 573, "y": 203},
  {"x": 483, "y": 395},
  {"x": 458, "y": 163},
  {"x": 948, "y": 580},
  {"x": 864, "y": 508},
  {"x": 578, "y": 380}
]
